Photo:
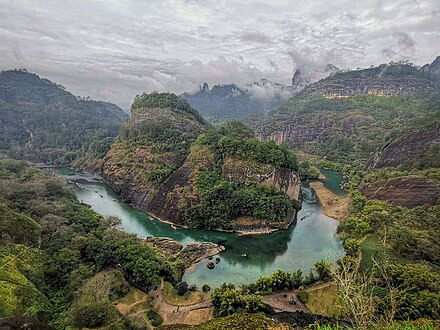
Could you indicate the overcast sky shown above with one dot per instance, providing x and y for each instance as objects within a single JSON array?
[{"x": 114, "y": 49}]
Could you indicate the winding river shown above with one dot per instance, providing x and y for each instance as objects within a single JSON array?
[{"x": 311, "y": 239}]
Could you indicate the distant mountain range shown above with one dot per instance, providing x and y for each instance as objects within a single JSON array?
[{"x": 230, "y": 101}]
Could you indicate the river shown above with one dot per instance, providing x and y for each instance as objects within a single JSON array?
[{"x": 299, "y": 247}]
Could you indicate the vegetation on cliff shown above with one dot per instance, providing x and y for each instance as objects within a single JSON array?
[
  {"x": 57, "y": 254},
  {"x": 348, "y": 115},
  {"x": 169, "y": 162},
  {"x": 399, "y": 248},
  {"x": 221, "y": 200},
  {"x": 42, "y": 122}
]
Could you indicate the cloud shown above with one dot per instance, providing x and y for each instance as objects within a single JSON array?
[{"x": 114, "y": 49}]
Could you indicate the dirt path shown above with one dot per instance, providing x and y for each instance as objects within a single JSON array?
[
  {"x": 321, "y": 286},
  {"x": 285, "y": 301},
  {"x": 192, "y": 314}
]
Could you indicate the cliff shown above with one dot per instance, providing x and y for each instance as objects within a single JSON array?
[
  {"x": 169, "y": 163},
  {"x": 415, "y": 148},
  {"x": 351, "y": 114},
  {"x": 144, "y": 162},
  {"x": 376, "y": 85},
  {"x": 246, "y": 172},
  {"x": 408, "y": 191}
]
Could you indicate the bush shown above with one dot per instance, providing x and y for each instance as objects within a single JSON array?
[
  {"x": 154, "y": 318},
  {"x": 206, "y": 288},
  {"x": 303, "y": 296},
  {"x": 92, "y": 314},
  {"x": 182, "y": 288}
]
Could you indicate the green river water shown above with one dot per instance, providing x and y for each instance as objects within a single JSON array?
[{"x": 300, "y": 246}]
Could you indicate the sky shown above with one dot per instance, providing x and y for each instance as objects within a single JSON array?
[{"x": 114, "y": 49}]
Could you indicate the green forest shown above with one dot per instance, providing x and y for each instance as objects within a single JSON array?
[
  {"x": 63, "y": 263},
  {"x": 48, "y": 124}
]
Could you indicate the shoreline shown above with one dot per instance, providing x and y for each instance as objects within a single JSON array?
[
  {"x": 333, "y": 205},
  {"x": 99, "y": 179}
]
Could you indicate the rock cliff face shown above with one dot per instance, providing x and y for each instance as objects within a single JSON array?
[
  {"x": 250, "y": 172},
  {"x": 144, "y": 164},
  {"x": 348, "y": 115},
  {"x": 169, "y": 163},
  {"x": 411, "y": 145},
  {"x": 380, "y": 86},
  {"x": 404, "y": 191}
]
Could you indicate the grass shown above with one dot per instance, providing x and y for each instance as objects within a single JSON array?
[
  {"x": 324, "y": 300},
  {"x": 144, "y": 305},
  {"x": 134, "y": 301},
  {"x": 189, "y": 298},
  {"x": 372, "y": 248},
  {"x": 132, "y": 296},
  {"x": 387, "y": 326}
]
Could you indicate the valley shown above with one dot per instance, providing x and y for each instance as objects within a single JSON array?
[
  {"x": 306, "y": 241},
  {"x": 328, "y": 205}
]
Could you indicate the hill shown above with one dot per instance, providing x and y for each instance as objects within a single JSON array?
[
  {"x": 231, "y": 102},
  {"x": 349, "y": 115},
  {"x": 169, "y": 162},
  {"x": 228, "y": 102},
  {"x": 42, "y": 122}
]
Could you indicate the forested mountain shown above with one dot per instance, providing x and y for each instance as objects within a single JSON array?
[
  {"x": 169, "y": 162},
  {"x": 228, "y": 102},
  {"x": 42, "y": 122},
  {"x": 349, "y": 115}
]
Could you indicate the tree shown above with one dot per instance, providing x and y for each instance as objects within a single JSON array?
[
  {"x": 324, "y": 269},
  {"x": 206, "y": 288},
  {"x": 182, "y": 288}
]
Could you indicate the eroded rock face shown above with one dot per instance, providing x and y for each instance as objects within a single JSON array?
[
  {"x": 404, "y": 191},
  {"x": 189, "y": 254},
  {"x": 408, "y": 146},
  {"x": 380, "y": 86},
  {"x": 250, "y": 172},
  {"x": 129, "y": 163}
]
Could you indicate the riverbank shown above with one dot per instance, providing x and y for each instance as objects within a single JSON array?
[{"x": 333, "y": 206}]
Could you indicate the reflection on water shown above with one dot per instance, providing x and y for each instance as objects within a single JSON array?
[{"x": 300, "y": 246}]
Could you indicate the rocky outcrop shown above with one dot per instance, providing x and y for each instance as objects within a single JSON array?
[
  {"x": 404, "y": 191},
  {"x": 380, "y": 86},
  {"x": 288, "y": 182},
  {"x": 189, "y": 254},
  {"x": 411, "y": 145},
  {"x": 348, "y": 115},
  {"x": 155, "y": 166},
  {"x": 320, "y": 127},
  {"x": 250, "y": 172},
  {"x": 165, "y": 203},
  {"x": 141, "y": 165}
]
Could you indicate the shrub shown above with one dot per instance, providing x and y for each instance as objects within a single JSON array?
[
  {"x": 182, "y": 288},
  {"x": 154, "y": 318},
  {"x": 303, "y": 296}
]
